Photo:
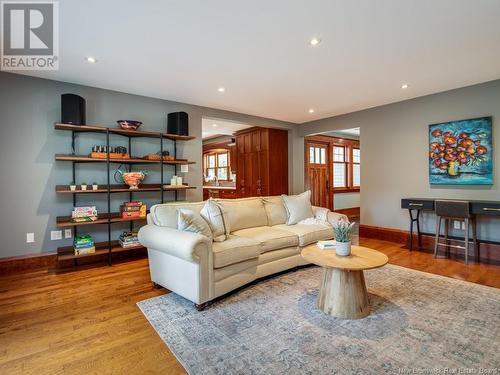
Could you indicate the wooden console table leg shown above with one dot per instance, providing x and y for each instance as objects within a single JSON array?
[{"x": 343, "y": 294}]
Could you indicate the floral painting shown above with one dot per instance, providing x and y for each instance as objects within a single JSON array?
[{"x": 461, "y": 152}]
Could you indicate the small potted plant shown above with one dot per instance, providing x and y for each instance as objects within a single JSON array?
[
  {"x": 343, "y": 230},
  {"x": 95, "y": 186},
  {"x": 72, "y": 186},
  {"x": 84, "y": 186}
]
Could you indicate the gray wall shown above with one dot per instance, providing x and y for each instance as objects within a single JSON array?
[
  {"x": 30, "y": 106},
  {"x": 394, "y": 141}
]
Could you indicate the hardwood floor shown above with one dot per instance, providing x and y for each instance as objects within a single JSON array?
[
  {"x": 83, "y": 322},
  {"x": 86, "y": 321}
]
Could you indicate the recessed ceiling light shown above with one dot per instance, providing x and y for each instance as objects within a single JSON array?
[
  {"x": 404, "y": 86},
  {"x": 214, "y": 125},
  {"x": 314, "y": 41},
  {"x": 91, "y": 59},
  {"x": 221, "y": 89},
  {"x": 311, "y": 110}
]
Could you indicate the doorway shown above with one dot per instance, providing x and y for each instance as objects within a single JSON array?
[{"x": 332, "y": 170}]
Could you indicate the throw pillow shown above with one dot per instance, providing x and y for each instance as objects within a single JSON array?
[
  {"x": 275, "y": 210},
  {"x": 216, "y": 217},
  {"x": 191, "y": 221},
  {"x": 298, "y": 207}
]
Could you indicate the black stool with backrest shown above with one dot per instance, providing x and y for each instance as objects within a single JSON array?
[{"x": 451, "y": 210}]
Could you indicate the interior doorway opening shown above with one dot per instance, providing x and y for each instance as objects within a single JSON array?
[{"x": 332, "y": 170}]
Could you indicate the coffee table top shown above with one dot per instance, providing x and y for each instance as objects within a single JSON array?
[{"x": 361, "y": 258}]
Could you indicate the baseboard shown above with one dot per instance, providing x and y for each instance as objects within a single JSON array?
[
  {"x": 489, "y": 252},
  {"x": 353, "y": 211},
  {"x": 384, "y": 234},
  {"x": 45, "y": 261},
  {"x": 29, "y": 262}
]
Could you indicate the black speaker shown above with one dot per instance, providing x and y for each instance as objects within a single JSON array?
[
  {"x": 178, "y": 123},
  {"x": 72, "y": 109}
]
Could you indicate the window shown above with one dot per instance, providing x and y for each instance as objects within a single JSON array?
[
  {"x": 339, "y": 167},
  {"x": 216, "y": 165},
  {"x": 346, "y": 167},
  {"x": 356, "y": 167},
  {"x": 317, "y": 155}
]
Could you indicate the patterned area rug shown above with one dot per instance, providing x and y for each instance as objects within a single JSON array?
[{"x": 420, "y": 323}]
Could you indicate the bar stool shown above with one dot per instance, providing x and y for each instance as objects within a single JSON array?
[{"x": 450, "y": 210}]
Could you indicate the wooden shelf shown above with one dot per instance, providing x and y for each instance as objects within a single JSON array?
[
  {"x": 127, "y": 133},
  {"x": 64, "y": 189},
  {"x": 87, "y": 159},
  {"x": 101, "y": 248},
  {"x": 115, "y": 217}
]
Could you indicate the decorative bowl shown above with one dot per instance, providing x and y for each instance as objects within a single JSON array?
[
  {"x": 132, "y": 179},
  {"x": 129, "y": 124}
]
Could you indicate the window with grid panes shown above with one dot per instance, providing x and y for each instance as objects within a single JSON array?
[
  {"x": 339, "y": 167},
  {"x": 216, "y": 164},
  {"x": 356, "y": 167}
]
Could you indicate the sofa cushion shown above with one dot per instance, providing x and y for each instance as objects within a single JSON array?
[
  {"x": 298, "y": 207},
  {"x": 275, "y": 210},
  {"x": 244, "y": 213},
  {"x": 307, "y": 233},
  {"x": 269, "y": 238},
  {"x": 165, "y": 215},
  {"x": 274, "y": 255},
  {"x": 234, "y": 250},
  {"x": 216, "y": 217}
]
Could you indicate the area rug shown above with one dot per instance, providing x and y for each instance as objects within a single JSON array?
[{"x": 420, "y": 323}]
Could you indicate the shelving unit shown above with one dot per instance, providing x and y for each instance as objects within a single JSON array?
[{"x": 108, "y": 218}]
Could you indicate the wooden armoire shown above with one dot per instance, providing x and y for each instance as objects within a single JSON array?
[{"x": 262, "y": 157}]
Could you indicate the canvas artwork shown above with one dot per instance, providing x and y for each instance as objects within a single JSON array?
[{"x": 461, "y": 152}]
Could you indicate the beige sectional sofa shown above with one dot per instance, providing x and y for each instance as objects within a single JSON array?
[{"x": 260, "y": 244}]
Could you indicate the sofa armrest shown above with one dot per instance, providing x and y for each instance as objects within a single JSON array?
[
  {"x": 181, "y": 244},
  {"x": 320, "y": 213},
  {"x": 333, "y": 217},
  {"x": 324, "y": 214}
]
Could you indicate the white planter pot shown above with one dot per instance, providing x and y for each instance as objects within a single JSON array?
[
  {"x": 72, "y": 187},
  {"x": 343, "y": 249},
  {"x": 84, "y": 187},
  {"x": 95, "y": 187}
]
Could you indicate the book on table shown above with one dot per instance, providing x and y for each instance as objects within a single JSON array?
[{"x": 327, "y": 245}]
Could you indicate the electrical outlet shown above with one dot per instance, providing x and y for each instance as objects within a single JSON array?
[
  {"x": 30, "y": 237},
  {"x": 67, "y": 233},
  {"x": 55, "y": 235}
]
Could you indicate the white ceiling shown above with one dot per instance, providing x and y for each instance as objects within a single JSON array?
[
  {"x": 212, "y": 127},
  {"x": 258, "y": 50}
]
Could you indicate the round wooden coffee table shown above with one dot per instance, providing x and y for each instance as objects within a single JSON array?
[{"x": 343, "y": 291}]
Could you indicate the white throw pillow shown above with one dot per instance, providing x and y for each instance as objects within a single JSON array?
[
  {"x": 298, "y": 207},
  {"x": 191, "y": 221},
  {"x": 216, "y": 217}
]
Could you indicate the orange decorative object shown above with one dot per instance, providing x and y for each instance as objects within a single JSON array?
[{"x": 133, "y": 179}]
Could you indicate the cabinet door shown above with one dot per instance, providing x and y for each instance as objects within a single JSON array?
[
  {"x": 262, "y": 182},
  {"x": 250, "y": 174},
  {"x": 233, "y": 159}
]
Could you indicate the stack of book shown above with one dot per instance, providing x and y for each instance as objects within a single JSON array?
[
  {"x": 327, "y": 245},
  {"x": 83, "y": 244},
  {"x": 83, "y": 214},
  {"x": 133, "y": 210},
  {"x": 129, "y": 239}
]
